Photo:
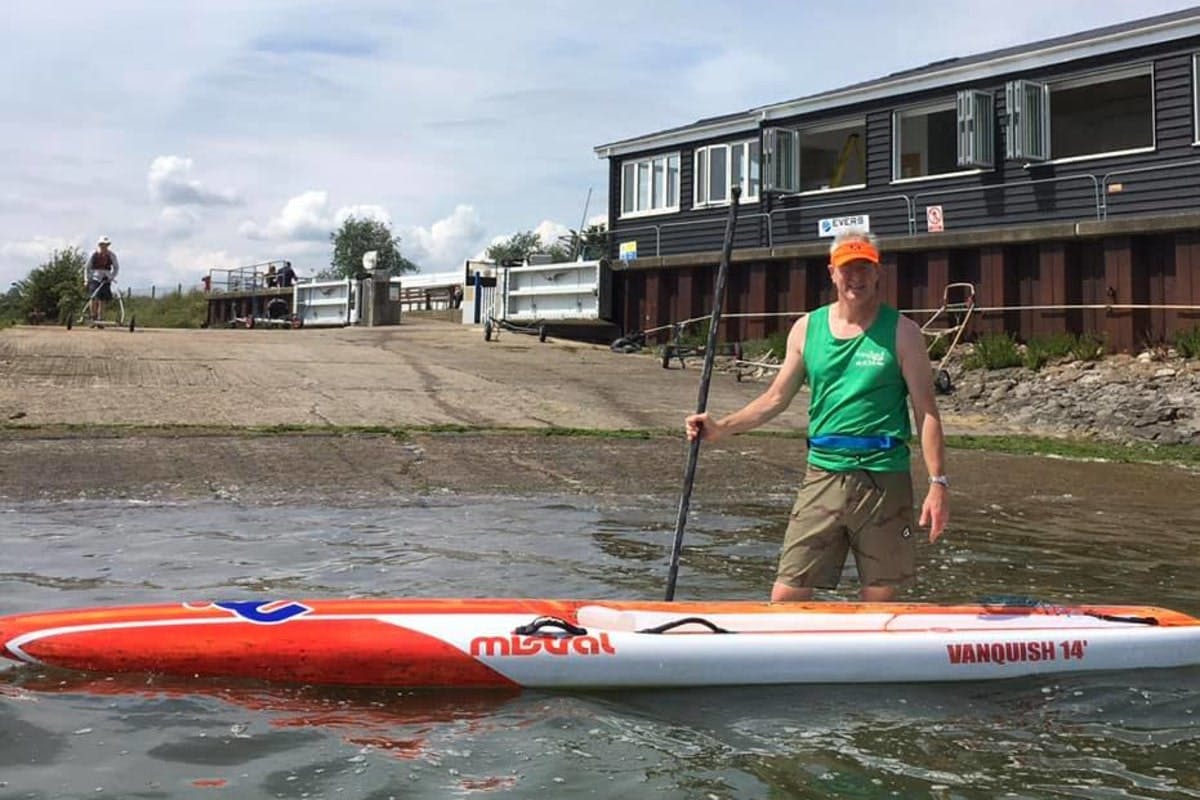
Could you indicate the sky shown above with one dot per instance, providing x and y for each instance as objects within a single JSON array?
[{"x": 212, "y": 134}]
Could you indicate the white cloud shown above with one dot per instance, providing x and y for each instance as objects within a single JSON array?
[
  {"x": 550, "y": 231},
  {"x": 308, "y": 217},
  {"x": 170, "y": 183},
  {"x": 178, "y": 222},
  {"x": 447, "y": 243},
  {"x": 187, "y": 265},
  {"x": 158, "y": 148},
  {"x": 35, "y": 251},
  {"x": 378, "y": 213}
]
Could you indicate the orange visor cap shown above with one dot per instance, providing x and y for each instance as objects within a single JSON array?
[{"x": 846, "y": 252}]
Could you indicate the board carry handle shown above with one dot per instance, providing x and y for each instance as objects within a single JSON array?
[{"x": 538, "y": 626}]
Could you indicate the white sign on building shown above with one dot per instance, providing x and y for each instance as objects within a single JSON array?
[{"x": 832, "y": 225}]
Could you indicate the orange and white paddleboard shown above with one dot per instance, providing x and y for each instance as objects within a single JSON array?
[{"x": 598, "y": 644}]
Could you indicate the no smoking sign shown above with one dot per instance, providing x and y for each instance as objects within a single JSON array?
[{"x": 933, "y": 219}]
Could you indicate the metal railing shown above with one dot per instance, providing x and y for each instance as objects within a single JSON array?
[
  {"x": 248, "y": 278},
  {"x": 1010, "y": 186},
  {"x": 908, "y": 208},
  {"x": 1102, "y": 201}
]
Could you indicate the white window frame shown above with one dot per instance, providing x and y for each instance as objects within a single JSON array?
[
  {"x": 1145, "y": 68},
  {"x": 1196, "y": 99},
  {"x": 649, "y": 162},
  {"x": 843, "y": 123},
  {"x": 947, "y": 104},
  {"x": 704, "y": 154}
]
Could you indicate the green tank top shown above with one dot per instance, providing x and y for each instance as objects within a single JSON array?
[{"x": 856, "y": 390}]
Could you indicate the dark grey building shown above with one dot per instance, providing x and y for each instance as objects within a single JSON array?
[{"x": 1063, "y": 172}]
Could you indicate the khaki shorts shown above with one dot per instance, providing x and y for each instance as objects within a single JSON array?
[{"x": 867, "y": 513}]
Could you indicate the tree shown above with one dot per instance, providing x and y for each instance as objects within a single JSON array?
[
  {"x": 516, "y": 248},
  {"x": 589, "y": 244},
  {"x": 56, "y": 289},
  {"x": 359, "y": 236}
]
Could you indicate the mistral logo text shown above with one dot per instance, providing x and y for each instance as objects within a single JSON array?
[{"x": 532, "y": 645}]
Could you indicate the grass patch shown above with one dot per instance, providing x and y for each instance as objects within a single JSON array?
[
  {"x": 1088, "y": 347},
  {"x": 174, "y": 310},
  {"x": 994, "y": 351},
  {"x": 1041, "y": 350},
  {"x": 1188, "y": 343},
  {"x": 1079, "y": 449},
  {"x": 624, "y": 433},
  {"x": 775, "y": 344}
]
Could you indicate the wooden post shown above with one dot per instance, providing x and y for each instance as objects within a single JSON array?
[
  {"x": 758, "y": 301},
  {"x": 1118, "y": 277},
  {"x": 990, "y": 291},
  {"x": 1050, "y": 288}
]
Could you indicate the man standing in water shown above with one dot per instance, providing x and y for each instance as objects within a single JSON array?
[
  {"x": 863, "y": 362},
  {"x": 102, "y": 270}
]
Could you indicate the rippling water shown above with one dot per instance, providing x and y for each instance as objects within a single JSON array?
[{"x": 1112, "y": 735}]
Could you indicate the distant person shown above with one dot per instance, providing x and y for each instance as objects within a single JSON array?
[
  {"x": 271, "y": 277},
  {"x": 456, "y": 296},
  {"x": 102, "y": 268},
  {"x": 286, "y": 275}
]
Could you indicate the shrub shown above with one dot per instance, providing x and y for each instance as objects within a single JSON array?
[
  {"x": 1087, "y": 347},
  {"x": 994, "y": 351},
  {"x": 776, "y": 344},
  {"x": 1041, "y": 350},
  {"x": 173, "y": 310},
  {"x": 1188, "y": 343},
  {"x": 939, "y": 347}
]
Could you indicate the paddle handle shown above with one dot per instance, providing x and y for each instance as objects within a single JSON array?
[{"x": 689, "y": 473}]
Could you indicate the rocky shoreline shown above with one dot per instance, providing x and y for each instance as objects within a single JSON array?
[{"x": 1148, "y": 398}]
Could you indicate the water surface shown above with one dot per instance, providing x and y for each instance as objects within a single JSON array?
[{"x": 1111, "y": 735}]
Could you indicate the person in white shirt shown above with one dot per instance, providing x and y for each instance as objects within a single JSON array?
[{"x": 102, "y": 268}]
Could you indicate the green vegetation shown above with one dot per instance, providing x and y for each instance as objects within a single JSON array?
[
  {"x": 1188, "y": 343},
  {"x": 1041, "y": 350},
  {"x": 994, "y": 351},
  {"x": 775, "y": 344},
  {"x": 175, "y": 310},
  {"x": 51, "y": 292},
  {"x": 1075, "y": 449},
  {"x": 1088, "y": 347},
  {"x": 938, "y": 348},
  {"x": 588, "y": 243},
  {"x": 359, "y": 236}
]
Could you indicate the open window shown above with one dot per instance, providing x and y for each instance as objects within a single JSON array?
[
  {"x": 833, "y": 155},
  {"x": 1111, "y": 112},
  {"x": 1092, "y": 115},
  {"x": 925, "y": 140}
]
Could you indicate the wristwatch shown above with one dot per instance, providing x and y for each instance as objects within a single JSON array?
[{"x": 940, "y": 479}]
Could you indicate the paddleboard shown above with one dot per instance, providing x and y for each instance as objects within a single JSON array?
[{"x": 513, "y": 643}]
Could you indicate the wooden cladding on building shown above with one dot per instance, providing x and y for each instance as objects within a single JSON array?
[{"x": 1132, "y": 290}]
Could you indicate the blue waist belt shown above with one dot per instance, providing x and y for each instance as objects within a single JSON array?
[{"x": 856, "y": 442}]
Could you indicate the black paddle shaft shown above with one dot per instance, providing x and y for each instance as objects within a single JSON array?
[{"x": 710, "y": 350}]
